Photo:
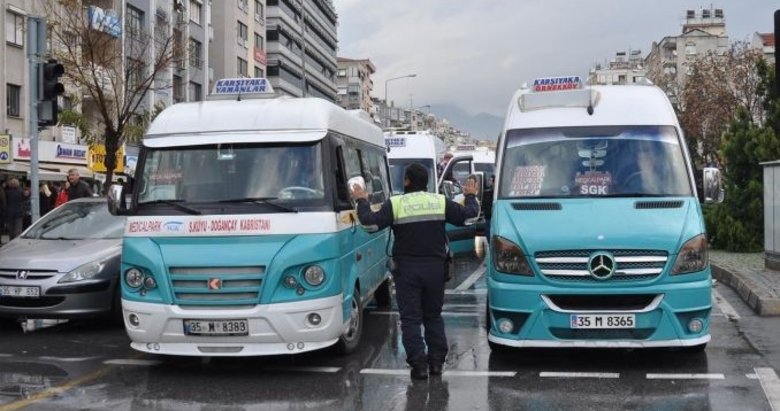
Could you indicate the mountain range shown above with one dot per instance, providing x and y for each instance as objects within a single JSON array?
[{"x": 481, "y": 126}]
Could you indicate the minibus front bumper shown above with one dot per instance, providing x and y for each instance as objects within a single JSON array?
[
  {"x": 282, "y": 328},
  {"x": 667, "y": 315}
]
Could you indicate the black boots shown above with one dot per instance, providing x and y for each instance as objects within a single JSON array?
[
  {"x": 420, "y": 371},
  {"x": 435, "y": 369}
]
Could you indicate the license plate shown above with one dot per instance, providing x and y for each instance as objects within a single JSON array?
[
  {"x": 216, "y": 327},
  {"x": 603, "y": 321},
  {"x": 23, "y": 292}
]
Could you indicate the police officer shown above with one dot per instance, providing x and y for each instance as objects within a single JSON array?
[{"x": 420, "y": 253}]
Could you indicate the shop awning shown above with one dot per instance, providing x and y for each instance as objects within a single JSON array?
[{"x": 45, "y": 173}]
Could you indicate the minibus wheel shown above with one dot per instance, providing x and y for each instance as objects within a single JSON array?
[
  {"x": 383, "y": 295},
  {"x": 350, "y": 339}
]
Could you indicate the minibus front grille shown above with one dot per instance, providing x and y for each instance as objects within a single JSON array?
[
  {"x": 604, "y": 303},
  {"x": 224, "y": 286},
  {"x": 653, "y": 205},
  {"x": 537, "y": 206},
  {"x": 630, "y": 265}
]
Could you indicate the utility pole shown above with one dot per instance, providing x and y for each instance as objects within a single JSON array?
[
  {"x": 36, "y": 48},
  {"x": 777, "y": 40}
]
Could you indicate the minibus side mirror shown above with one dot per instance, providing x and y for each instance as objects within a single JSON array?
[
  {"x": 117, "y": 204},
  {"x": 712, "y": 188},
  {"x": 361, "y": 182}
]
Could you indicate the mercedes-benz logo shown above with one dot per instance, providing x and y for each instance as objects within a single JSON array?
[
  {"x": 601, "y": 266},
  {"x": 21, "y": 275}
]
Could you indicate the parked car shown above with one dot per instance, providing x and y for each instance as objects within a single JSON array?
[{"x": 66, "y": 265}]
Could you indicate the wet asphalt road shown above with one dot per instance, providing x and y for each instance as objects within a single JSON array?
[{"x": 89, "y": 366}]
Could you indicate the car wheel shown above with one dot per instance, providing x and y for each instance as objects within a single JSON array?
[
  {"x": 383, "y": 294},
  {"x": 350, "y": 339}
]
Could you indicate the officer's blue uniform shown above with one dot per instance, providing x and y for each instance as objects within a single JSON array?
[{"x": 420, "y": 253}]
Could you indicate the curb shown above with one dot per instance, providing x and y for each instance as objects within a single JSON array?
[{"x": 751, "y": 293}]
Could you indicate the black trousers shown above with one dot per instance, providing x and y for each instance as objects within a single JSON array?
[{"x": 419, "y": 290}]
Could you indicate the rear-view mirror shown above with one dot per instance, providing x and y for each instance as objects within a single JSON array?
[
  {"x": 712, "y": 188},
  {"x": 117, "y": 204}
]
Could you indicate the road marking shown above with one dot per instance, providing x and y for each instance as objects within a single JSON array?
[
  {"x": 479, "y": 291},
  {"x": 771, "y": 386},
  {"x": 3, "y": 355},
  {"x": 51, "y": 392},
  {"x": 443, "y": 314},
  {"x": 463, "y": 305},
  {"x": 131, "y": 361},
  {"x": 453, "y": 373},
  {"x": 471, "y": 279},
  {"x": 685, "y": 376},
  {"x": 550, "y": 374},
  {"x": 331, "y": 370},
  {"x": 751, "y": 376},
  {"x": 67, "y": 359},
  {"x": 725, "y": 307}
]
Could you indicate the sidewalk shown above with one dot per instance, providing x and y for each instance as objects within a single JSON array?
[{"x": 758, "y": 286}]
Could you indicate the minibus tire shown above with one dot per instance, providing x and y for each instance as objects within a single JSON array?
[
  {"x": 350, "y": 340},
  {"x": 116, "y": 316},
  {"x": 382, "y": 295}
]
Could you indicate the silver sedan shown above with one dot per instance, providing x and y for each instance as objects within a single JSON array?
[{"x": 66, "y": 265}]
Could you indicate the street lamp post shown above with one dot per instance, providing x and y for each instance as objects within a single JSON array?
[{"x": 387, "y": 104}]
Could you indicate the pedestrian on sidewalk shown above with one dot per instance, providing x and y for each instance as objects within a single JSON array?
[
  {"x": 78, "y": 188},
  {"x": 14, "y": 198},
  {"x": 420, "y": 253}
]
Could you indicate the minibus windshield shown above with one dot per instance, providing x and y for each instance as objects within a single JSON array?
[
  {"x": 232, "y": 172},
  {"x": 614, "y": 161},
  {"x": 398, "y": 167}
]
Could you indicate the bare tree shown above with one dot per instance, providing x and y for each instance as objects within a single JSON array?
[
  {"x": 114, "y": 68},
  {"x": 717, "y": 87}
]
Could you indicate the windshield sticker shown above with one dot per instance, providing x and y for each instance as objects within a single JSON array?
[
  {"x": 165, "y": 178},
  {"x": 527, "y": 181},
  {"x": 593, "y": 182}
]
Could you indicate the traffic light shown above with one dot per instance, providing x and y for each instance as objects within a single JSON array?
[{"x": 49, "y": 88}]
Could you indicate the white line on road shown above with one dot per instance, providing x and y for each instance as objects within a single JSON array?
[
  {"x": 453, "y": 373},
  {"x": 67, "y": 359},
  {"x": 443, "y": 314},
  {"x": 725, "y": 307},
  {"x": 463, "y": 306},
  {"x": 771, "y": 386},
  {"x": 751, "y": 376},
  {"x": 551, "y": 374},
  {"x": 471, "y": 279},
  {"x": 3, "y": 355},
  {"x": 330, "y": 370},
  {"x": 685, "y": 376},
  {"x": 131, "y": 361},
  {"x": 478, "y": 291}
]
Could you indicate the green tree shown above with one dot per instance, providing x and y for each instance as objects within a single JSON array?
[{"x": 750, "y": 139}]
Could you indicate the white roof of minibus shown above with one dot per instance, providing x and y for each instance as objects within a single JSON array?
[
  {"x": 279, "y": 119},
  {"x": 418, "y": 145},
  {"x": 480, "y": 156},
  {"x": 615, "y": 105}
]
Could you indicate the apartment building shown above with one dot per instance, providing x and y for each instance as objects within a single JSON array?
[
  {"x": 354, "y": 84},
  {"x": 766, "y": 43},
  {"x": 302, "y": 45},
  {"x": 704, "y": 31},
  {"x": 624, "y": 68},
  {"x": 238, "y": 48}
]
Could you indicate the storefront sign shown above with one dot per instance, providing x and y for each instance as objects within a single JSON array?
[
  {"x": 51, "y": 151},
  {"x": 97, "y": 157},
  {"x": 69, "y": 134}
]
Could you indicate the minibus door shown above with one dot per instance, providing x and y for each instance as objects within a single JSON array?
[{"x": 462, "y": 239}]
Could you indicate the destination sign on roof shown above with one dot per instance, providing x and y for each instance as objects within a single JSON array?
[
  {"x": 395, "y": 141},
  {"x": 557, "y": 83},
  {"x": 242, "y": 86}
]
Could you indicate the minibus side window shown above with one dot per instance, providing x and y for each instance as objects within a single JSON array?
[{"x": 376, "y": 176}]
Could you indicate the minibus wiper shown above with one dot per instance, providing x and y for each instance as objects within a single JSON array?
[
  {"x": 261, "y": 200},
  {"x": 176, "y": 204}
]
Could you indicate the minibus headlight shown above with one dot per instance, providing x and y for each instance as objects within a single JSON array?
[
  {"x": 692, "y": 256},
  {"x": 134, "y": 278},
  {"x": 508, "y": 257},
  {"x": 314, "y": 275}
]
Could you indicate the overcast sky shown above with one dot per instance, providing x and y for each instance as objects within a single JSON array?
[{"x": 475, "y": 54}]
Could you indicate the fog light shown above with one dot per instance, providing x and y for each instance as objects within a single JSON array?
[
  {"x": 156, "y": 347},
  {"x": 300, "y": 345},
  {"x": 149, "y": 346},
  {"x": 505, "y": 325},
  {"x": 290, "y": 282},
  {"x": 314, "y": 319},
  {"x": 290, "y": 346},
  {"x": 696, "y": 325},
  {"x": 149, "y": 282},
  {"x": 300, "y": 290},
  {"x": 134, "y": 320}
]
